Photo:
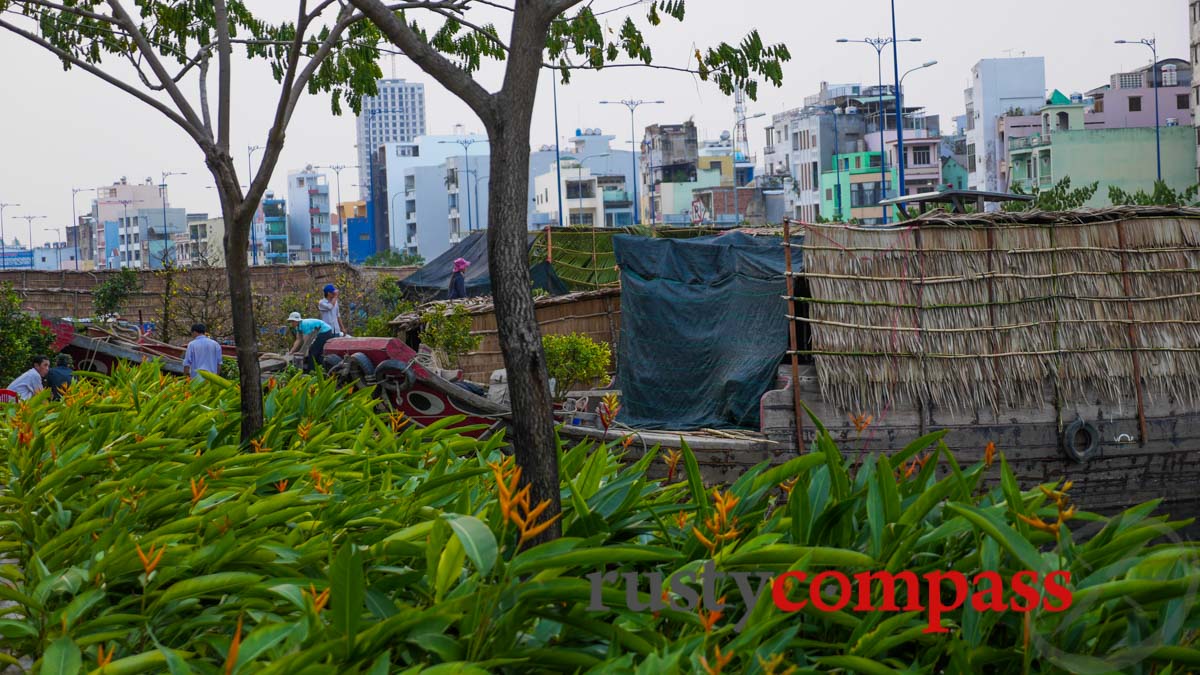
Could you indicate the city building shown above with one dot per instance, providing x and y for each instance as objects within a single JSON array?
[
  {"x": 57, "y": 256},
  {"x": 1127, "y": 101},
  {"x": 277, "y": 248},
  {"x": 309, "y": 229},
  {"x": 852, "y": 191},
  {"x": 395, "y": 115},
  {"x": 1194, "y": 22},
  {"x": 614, "y": 169},
  {"x": 467, "y": 194},
  {"x": 1066, "y": 146},
  {"x": 114, "y": 210},
  {"x": 998, "y": 87},
  {"x": 82, "y": 237},
  {"x": 670, "y": 171},
  {"x": 582, "y": 199},
  {"x": 412, "y": 209},
  {"x": 154, "y": 238}
]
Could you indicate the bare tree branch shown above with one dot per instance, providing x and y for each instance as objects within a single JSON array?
[
  {"x": 428, "y": 59},
  {"x": 312, "y": 16},
  {"x": 224, "y": 66},
  {"x": 160, "y": 72},
  {"x": 204, "y": 110},
  {"x": 66, "y": 9},
  {"x": 195, "y": 133}
]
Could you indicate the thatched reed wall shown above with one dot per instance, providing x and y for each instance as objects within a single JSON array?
[
  {"x": 596, "y": 314},
  {"x": 981, "y": 311}
]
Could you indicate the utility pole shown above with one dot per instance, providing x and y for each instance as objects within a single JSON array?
[
  {"x": 337, "y": 170},
  {"x": 633, "y": 144},
  {"x": 3, "y": 244},
  {"x": 30, "y": 219}
]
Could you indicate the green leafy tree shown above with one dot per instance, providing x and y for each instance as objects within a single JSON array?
[
  {"x": 1162, "y": 195},
  {"x": 110, "y": 294},
  {"x": 159, "y": 50},
  {"x": 22, "y": 336},
  {"x": 394, "y": 258},
  {"x": 575, "y": 360},
  {"x": 1061, "y": 197},
  {"x": 449, "y": 331},
  {"x": 558, "y": 36}
]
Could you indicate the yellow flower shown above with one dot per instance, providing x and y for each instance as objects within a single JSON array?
[{"x": 989, "y": 454}]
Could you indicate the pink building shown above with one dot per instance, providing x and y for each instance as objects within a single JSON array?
[{"x": 1127, "y": 101}]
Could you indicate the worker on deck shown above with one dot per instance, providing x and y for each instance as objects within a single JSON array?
[
  {"x": 60, "y": 375},
  {"x": 310, "y": 333},
  {"x": 458, "y": 279},
  {"x": 203, "y": 353},
  {"x": 329, "y": 310},
  {"x": 29, "y": 383}
]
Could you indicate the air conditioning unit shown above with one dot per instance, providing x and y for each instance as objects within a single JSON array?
[{"x": 1172, "y": 121}]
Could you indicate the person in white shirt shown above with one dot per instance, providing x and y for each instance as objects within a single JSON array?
[
  {"x": 29, "y": 383},
  {"x": 328, "y": 308}
]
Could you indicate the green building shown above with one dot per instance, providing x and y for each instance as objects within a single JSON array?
[
  {"x": 954, "y": 175},
  {"x": 1124, "y": 157},
  {"x": 851, "y": 191}
]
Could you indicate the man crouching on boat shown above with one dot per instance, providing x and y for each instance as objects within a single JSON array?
[{"x": 311, "y": 334}]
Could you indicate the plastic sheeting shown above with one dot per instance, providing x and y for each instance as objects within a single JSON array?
[
  {"x": 432, "y": 282},
  {"x": 703, "y": 329}
]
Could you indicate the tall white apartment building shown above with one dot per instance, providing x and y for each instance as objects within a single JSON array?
[
  {"x": 395, "y": 115},
  {"x": 998, "y": 86}
]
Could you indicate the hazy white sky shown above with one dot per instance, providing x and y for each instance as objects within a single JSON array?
[{"x": 60, "y": 130}]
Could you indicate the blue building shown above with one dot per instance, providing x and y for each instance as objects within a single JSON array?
[
  {"x": 361, "y": 237},
  {"x": 275, "y": 230}
]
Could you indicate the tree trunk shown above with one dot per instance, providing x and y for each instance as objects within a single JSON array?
[
  {"x": 534, "y": 442},
  {"x": 241, "y": 296}
]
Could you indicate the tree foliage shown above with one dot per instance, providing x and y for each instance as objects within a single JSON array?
[
  {"x": 448, "y": 330},
  {"x": 1161, "y": 195},
  {"x": 394, "y": 258},
  {"x": 22, "y": 335},
  {"x": 575, "y": 360},
  {"x": 110, "y": 294},
  {"x": 1060, "y": 197}
]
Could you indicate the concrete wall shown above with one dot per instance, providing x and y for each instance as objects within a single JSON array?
[{"x": 1123, "y": 157}]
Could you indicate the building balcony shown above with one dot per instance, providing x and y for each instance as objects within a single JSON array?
[{"x": 277, "y": 236}]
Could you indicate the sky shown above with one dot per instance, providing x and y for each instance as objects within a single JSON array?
[{"x": 62, "y": 130}]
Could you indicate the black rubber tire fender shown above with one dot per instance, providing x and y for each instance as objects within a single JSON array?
[
  {"x": 358, "y": 370},
  {"x": 331, "y": 361},
  {"x": 398, "y": 371},
  {"x": 1093, "y": 440}
]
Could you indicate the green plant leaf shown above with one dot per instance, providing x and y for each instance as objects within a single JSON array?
[
  {"x": 476, "y": 539},
  {"x": 62, "y": 657}
]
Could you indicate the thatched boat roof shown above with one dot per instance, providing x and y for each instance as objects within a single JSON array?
[
  {"x": 484, "y": 305},
  {"x": 993, "y": 311}
]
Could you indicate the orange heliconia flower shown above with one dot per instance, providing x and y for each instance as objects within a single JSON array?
[
  {"x": 149, "y": 560},
  {"x": 682, "y": 518},
  {"x": 989, "y": 454},
  {"x": 709, "y": 619},
  {"x": 321, "y": 483},
  {"x": 256, "y": 444},
  {"x": 515, "y": 504},
  {"x": 672, "y": 459},
  {"x": 102, "y": 658},
  {"x": 720, "y": 525},
  {"x": 319, "y": 599},
  {"x": 214, "y": 473},
  {"x": 861, "y": 421},
  {"x": 1039, "y": 524},
  {"x": 769, "y": 667},
  {"x": 626, "y": 442},
  {"x": 303, "y": 430},
  {"x": 198, "y": 489},
  {"x": 787, "y": 485},
  {"x": 281, "y": 485},
  {"x": 398, "y": 420},
  {"x": 719, "y": 661},
  {"x": 234, "y": 647}
]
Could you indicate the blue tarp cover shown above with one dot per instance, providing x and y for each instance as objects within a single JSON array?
[
  {"x": 703, "y": 329},
  {"x": 432, "y": 282}
]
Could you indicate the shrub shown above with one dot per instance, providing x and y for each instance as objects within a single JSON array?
[
  {"x": 110, "y": 294},
  {"x": 1161, "y": 195},
  {"x": 393, "y": 258},
  {"x": 22, "y": 336},
  {"x": 143, "y": 530},
  {"x": 449, "y": 332},
  {"x": 575, "y": 361}
]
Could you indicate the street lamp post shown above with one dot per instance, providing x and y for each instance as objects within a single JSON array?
[
  {"x": 166, "y": 257},
  {"x": 737, "y": 213},
  {"x": 29, "y": 220},
  {"x": 3, "y": 259},
  {"x": 633, "y": 143},
  {"x": 337, "y": 170},
  {"x": 579, "y": 180},
  {"x": 466, "y": 144},
  {"x": 879, "y": 43},
  {"x": 250, "y": 179},
  {"x": 58, "y": 249},
  {"x": 1154, "y": 76},
  {"x": 75, "y": 223},
  {"x": 901, "y": 188},
  {"x": 391, "y": 219}
]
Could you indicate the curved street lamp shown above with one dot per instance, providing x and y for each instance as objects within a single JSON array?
[
  {"x": 900, "y": 189},
  {"x": 1154, "y": 76}
]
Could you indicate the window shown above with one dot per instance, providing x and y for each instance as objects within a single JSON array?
[
  {"x": 858, "y": 162},
  {"x": 1129, "y": 81},
  {"x": 921, "y": 156},
  {"x": 829, "y": 194},
  {"x": 1135, "y": 104},
  {"x": 971, "y": 158},
  {"x": 1170, "y": 75},
  {"x": 1181, "y": 101},
  {"x": 795, "y": 141}
]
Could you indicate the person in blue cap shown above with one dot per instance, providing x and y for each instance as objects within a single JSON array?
[{"x": 328, "y": 308}]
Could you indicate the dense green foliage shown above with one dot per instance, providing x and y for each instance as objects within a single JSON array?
[
  {"x": 110, "y": 294},
  {"x": 394, "y": 258},
  {"x": 341, "y": 541},
  {"x": 22, "y": 336},
  {"x": 1162, "y": 195},
  {"x": 575, "y": 360},
  {"x": 448, "y": 330},
  {"x": 1060, "y": 197}
]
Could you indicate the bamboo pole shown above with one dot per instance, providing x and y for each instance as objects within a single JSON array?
[
  {"x": 1137, "y": 365},
  {"x": 797, "y": 408}
]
